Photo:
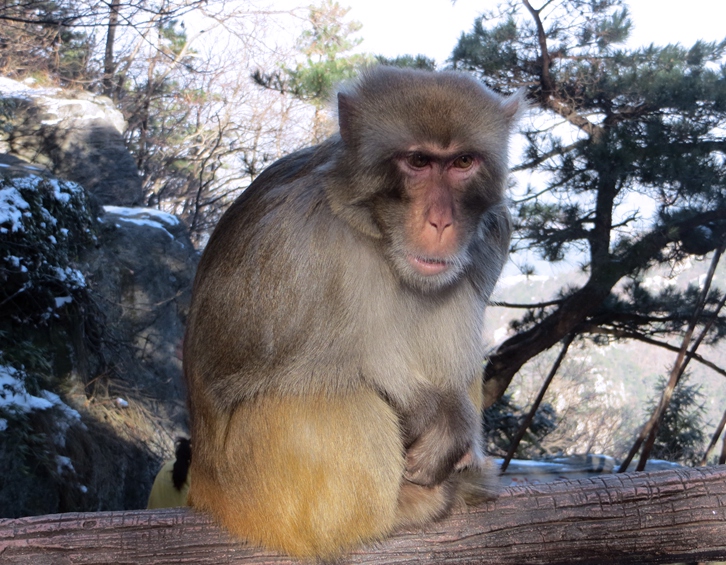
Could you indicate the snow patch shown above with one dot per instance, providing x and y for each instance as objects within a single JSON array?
[
  {"x": 61, "y": 300},
  {"x": 14, "y": 397},
  {"x": 63, "y": 463},
  {"x": 500, "y": 334},
  {"x": 12, "y": 205},
  {"x": 13, "y": 89},
  {"x": 83, "y": 108},
  {"x": 73, "y": 277},
  {"x": 150, "y": 217}
]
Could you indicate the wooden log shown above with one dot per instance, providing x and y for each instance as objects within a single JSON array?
[{"x": 663, "y": 517}]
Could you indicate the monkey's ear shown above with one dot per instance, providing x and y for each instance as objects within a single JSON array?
[
  {"x": 515, "y": 105},
  {"x": 345, "y": 116}
]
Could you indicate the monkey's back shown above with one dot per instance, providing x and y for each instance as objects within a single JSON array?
[{"x": 268, "y": 288}]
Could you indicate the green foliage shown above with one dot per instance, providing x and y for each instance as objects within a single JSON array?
[
  {"x": 660, "y": 313},
  {"x": 38, "y": 37},
  {"x": 408, "y": 61},
  {"x": 50, "y": 460},
  {"x": 44, "y": 225},
  {"x": 33, "y": 430},
  {"x": 173, "y": 36},
  {"x": 680, "y": 435},
  {"x": 324, "y": 46}
]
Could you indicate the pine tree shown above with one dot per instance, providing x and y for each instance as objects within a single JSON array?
[
  {"x": 325, "y": 46},
  {"x": 680, "y": 434},
  {"x": 614, "y": 130}
]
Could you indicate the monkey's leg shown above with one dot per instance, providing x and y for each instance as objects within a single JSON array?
[
  {"x": 311, "y": 476},
  {"x": 477, "y": 477}
]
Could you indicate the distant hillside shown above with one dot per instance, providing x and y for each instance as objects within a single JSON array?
[{"x": 619, "y": 377}]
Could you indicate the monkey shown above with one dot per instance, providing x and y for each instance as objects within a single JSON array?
[{"x": 334, "y": 346}]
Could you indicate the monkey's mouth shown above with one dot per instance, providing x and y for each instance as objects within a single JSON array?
[{"x": 429, "y": 266}]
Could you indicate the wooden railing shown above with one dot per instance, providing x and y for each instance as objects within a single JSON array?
[{"x": 663, "y": 517}]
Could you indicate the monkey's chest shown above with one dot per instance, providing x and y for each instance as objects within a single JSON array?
[{"x": 402, "y": 347}]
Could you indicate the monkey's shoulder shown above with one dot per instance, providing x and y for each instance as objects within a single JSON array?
[
  {"x": 280, "y": 238},
  {"x": 293, "y": 182},
  {"x": 289, "y": 168}
]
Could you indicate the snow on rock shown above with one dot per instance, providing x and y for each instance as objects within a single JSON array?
[
  {"x": 15, "y": 398},
  {"x": 12, "y": 205},
  {"x": 13, "y": 89},
  {"x": 150, "y": 217},
  {"x": 77, "y": 135},
  {"x": 62, "y": 300},
  {"x": 64, "y": 463},
  {"x": 73, "y": 277},
  {"x": 84, "y": 105}
]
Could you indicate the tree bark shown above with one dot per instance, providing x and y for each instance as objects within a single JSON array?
[
  {"x": 109, "y": 68},
  {"x": 664, "y": 517}
]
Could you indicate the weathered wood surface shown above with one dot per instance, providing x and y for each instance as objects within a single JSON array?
[{"x": 663, "y": 517}]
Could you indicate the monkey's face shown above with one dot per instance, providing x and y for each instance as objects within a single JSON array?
[
  {"x": 429, "y": 218},
  {"x": 428, "y": 152}
]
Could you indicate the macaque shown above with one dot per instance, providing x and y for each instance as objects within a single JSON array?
[{"x": 334, "y": 347}]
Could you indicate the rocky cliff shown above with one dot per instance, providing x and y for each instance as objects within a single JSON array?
[
  {"x": 93, "y": 298},
  {"x": 74, "y": 135}
]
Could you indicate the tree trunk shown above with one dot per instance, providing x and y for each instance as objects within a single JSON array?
[
  {"x": 109, "y": 68},
  {"x": 664, "y": 517}
]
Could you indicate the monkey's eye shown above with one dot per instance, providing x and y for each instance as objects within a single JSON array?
[
  {"x": 463, "y": 161},
  {"x": 418, "y": 160}
]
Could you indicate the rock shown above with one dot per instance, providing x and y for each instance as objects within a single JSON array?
[
  {"x": 95, "y": 294},
  {"x": 142, "y": 272},
  {"x": 76, "y": 135},
  {"x": 92, "y": 316}
]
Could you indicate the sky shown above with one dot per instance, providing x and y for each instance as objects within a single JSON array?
[{"x": 432, "y": 27}]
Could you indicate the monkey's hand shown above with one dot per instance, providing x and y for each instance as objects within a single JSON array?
[
  {"x": 472, "y": 459},
  {"x": 435, "y": 455},
  {"x": 477, "y": 483}
]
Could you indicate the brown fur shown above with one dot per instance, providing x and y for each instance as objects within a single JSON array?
[{"x": 335, "y": 387}]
